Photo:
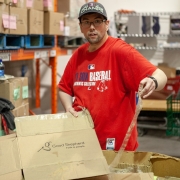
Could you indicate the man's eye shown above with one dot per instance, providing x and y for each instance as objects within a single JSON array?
[
  {"x": 97, "y": 21},
  {"x": 86, "y": 22}
]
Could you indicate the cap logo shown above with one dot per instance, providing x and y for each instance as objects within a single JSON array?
[{"x": 91, "y": 6}]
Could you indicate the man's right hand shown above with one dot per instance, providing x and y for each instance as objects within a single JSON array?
[{"x": 72, "y": 111}]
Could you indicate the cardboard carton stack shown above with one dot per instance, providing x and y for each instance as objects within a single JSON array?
[
  {"x": 37, "y": 17},
  {"x": 71, "y": 10},
  {"x": 15, "y": 89},
  {"x": 26, "y": 17}
]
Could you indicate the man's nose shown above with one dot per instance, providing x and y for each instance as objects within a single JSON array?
[{"x": 92, "y": 25}]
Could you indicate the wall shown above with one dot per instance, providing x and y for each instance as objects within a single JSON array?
[{"x": 141, "y": 5}]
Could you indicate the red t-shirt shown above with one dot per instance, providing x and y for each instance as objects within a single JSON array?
[{"x": 105, "y": 82}]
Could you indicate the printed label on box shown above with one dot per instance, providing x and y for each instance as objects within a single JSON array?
[
  {"x": 66, "y": 30},
  {"x": 17, "y": 93},
  {"x": 61, "y": 26},
  {"x": 5, "y": 18},
  {"x": 29, "y": 3},
  {"x": 47, "y": 3},
  {"x": 25, "y": 92},
  {"x": 15, "y": 1}
]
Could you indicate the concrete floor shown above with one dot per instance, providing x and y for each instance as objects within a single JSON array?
[{"x": 155, "y": 140}]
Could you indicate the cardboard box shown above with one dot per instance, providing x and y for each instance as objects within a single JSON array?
[
  {"x": 72, "y": 27},
  {"x": 33, "y": 4},
  {"x": 21, "y": 110},
  {"x": 21, "y": 20},
  {"x": 59, "y": 146},
  {"x": 169, "y": 71},
  {"x": 20, "y": 3},
  {"x": 35, "y": 22},
  {"x": 3, "y": 11},
  {"x": 38, "y": 5},
  {"x": 17, "y": 175},
  {"x": 53, "y": 23},
  {"x": 10, "y": 168},
  {"x": 161, "y": 165},
  {"x": 15, "y": 90},
  {"x": 70, "y": 7}
]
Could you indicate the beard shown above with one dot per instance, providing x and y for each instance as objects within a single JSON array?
[{"x": 94, "y": 40}]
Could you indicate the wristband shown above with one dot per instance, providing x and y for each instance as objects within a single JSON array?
[{"x": 155, "y": 81}]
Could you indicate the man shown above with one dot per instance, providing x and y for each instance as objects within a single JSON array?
[{"x": 103, "y": 76}]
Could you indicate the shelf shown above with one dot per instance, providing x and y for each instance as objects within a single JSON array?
[
  {"x": 30, "y": 54},
  {"x": 145, "y": 48},
  {"x": 148, "y": 13},
  {"x": 148, "y": 35},
  {"x": 155, "y": 48}
]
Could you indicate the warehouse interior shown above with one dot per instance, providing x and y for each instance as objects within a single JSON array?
[{"x": 44, "y": 65}]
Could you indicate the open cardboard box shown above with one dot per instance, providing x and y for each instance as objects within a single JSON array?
[
  {"x": 59, "y": 146},
  {"x": 10, "y": 168},
  {"x": 160, "y": 165}
]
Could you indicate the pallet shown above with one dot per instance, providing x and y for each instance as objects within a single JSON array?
[
  {"x": 39, "y": 41},
  {"x": 33, "y": 41},
  {"x": 8, "y": 41},
  {"x": 1, "y": 41},
  {"x": 48, "y": 41},
  {"x": 65, "y": 41}
]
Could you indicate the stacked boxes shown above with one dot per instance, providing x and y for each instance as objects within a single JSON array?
[
  {"x": 20, "y": 15},
  {"x": 70, "y": 7},
  {"x": 27, "y": 18},
  {"x": 35, "y": 22},
  {"x": 53, "y": 23},
  {"x": 35, "y": 18},
  {"x": 16, "y": 91}
]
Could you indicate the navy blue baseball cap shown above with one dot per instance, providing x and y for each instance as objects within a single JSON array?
[{"x": 92, "y": 7}]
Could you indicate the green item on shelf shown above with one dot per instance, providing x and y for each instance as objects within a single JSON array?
[{"x": 2, "y": 133}]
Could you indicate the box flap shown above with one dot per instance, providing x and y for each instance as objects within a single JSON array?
[
  {"x": 52, "y": 123},
  {"x": 171, "y": 165},
  {"x": 3, "y": 138},
  {"x": 9, "y": 155},
  {"x": 16, "y": 175}
]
